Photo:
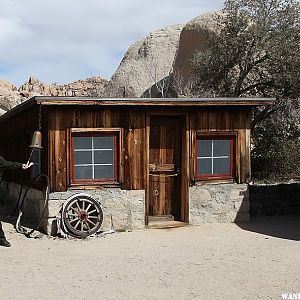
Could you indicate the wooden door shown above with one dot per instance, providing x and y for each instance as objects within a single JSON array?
[{"x": 165, "y": 166}]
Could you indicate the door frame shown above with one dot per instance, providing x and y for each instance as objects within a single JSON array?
[{"x": 185, "y": 162}]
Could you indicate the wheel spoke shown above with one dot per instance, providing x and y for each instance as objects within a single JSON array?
[
  {"x": 74, "y": 209},
  {"x": 72, "y": 215},
  {"x": 81, "y": 226},
  {"x": 92, "y": 211},
  {"x": 91, "y": 222},
  {"x": 83, "y": 204},
  {"x": 87, "y": 225},
  {"x": 74, "y": 220},
  {"x": 77, "y": 224},
  {"x": 93, "y": 217},
  {"x": 88, "y": 207},
  {"x": 78, "y": 206}
]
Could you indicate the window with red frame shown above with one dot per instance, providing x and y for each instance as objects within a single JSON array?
[
  {"x": 215, "y": 157},
  {"x": 94, "y": 157}
]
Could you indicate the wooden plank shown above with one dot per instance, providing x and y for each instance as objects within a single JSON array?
[
  {"x": 51, "y": 131},
  {"x": 134, "y": 150},
  {"x": 59, "y": 153},
  {"x": 162, "y": 167},
  {"x": 185, "y": 170},
  {"x": 146, "y": 167},
  {"x": 242, "y": 163},
  {"x": 193, "y": 155},
  {"x": 248, "y": 155},
  {"x": 192, "y": 102},
  {"x": 238, "y": 156},
  {"x": 94, "y": 129}
]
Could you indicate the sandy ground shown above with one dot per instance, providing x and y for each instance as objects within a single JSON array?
[{"x": 216, "y": 261}]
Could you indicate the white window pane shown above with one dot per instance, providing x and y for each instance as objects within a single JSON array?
[
  {"x": 83, "y": 172},
  {"x": 102, "y": 172},
  {"x": 221, "y": 147},
  {"x": 82, "y": 142},
  {"x": 221, "y": 165},
  {"x": 204, "y": 166},
  {"x": 103, "y": 142},
  {"x": 204, "y": 148},
  {"x": 103, "y": 157},
  {"x": 83, "y": 157}
]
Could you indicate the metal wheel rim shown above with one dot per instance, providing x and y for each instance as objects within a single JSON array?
[{"x": 82, "y": 216}]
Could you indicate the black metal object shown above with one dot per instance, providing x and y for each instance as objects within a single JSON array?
[{"x": 24, "y": 206}]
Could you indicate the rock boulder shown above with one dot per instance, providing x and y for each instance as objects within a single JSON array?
[
  {"x": 146, "y": 62},
  {"x": 193, "y": 38}
]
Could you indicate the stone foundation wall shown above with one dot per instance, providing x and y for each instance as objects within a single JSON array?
[
  {"x": 125, "y": 208},
  {"x": 218, "y": 203}
]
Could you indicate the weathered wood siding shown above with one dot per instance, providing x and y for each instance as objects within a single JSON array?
[
  {"x": 133, "y": 121},
  {"x": 230, "y": 120},
  {"x": 60, "y": 119},
  {"x": 16, "y": 134}
]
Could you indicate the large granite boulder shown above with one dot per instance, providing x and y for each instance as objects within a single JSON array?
[
  {"x": 193, "y": 38},
  {"x": 146, "y": 62}
]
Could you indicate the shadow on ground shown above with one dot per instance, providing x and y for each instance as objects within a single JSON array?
[{"x": 285, "y": 227}]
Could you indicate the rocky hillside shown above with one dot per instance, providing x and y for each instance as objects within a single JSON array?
[
  {"x": 10, "y": 95},
  {"x": 93, "y": 87}
]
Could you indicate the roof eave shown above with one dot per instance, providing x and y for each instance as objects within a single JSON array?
[
  {"x": 153, "y": 102},
  {"x": 185, "y": 102}
]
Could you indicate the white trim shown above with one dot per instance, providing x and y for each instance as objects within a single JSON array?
[
  {"x": 87, "y": 165},
  {"x": 90, "y": 149},
  {"x": 205, "y": 157},
  {"x": 93, "y": 158}
]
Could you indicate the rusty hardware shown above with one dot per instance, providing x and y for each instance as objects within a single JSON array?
[{"x": 156, "y": 193}]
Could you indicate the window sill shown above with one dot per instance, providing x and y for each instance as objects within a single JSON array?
[
  {"x": 82, "y": 186},
  {"x": 214, "y": 181}
]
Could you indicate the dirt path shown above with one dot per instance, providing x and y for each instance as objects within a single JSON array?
[{"x": 218, "y": 261}]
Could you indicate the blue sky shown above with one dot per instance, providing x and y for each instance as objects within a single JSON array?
[{"x": 63, "y": 41}]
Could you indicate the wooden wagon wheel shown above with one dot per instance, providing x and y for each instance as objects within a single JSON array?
[{"x": 82, "y": 215}]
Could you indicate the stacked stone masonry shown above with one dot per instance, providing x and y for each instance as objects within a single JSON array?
[
  {"x": 218, "y": 203},
  {"x": 125, "y": 208}
]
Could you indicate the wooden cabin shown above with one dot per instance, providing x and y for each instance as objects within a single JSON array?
[{"x": 182, "y": 160}]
